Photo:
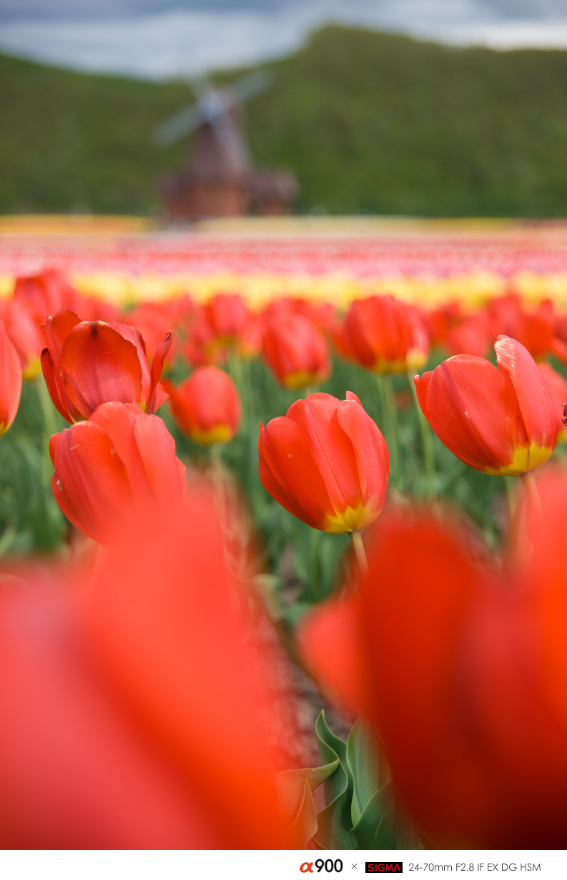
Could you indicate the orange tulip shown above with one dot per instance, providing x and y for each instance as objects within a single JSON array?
[
  {"x": 206, "y": 406},
  {"x": 385, "y": 335},
  {"x": 500, "y": 421},
  {"x": 463, "y": 670},
  {"x": 137, "y": 703},
  {"x": 87, "y": 363},
  {"x": 326, "y": 462},
  {"x": 10, "y": 380},
  {"x": 119, "y": 460},
  {"x": 295, "y": 350}
]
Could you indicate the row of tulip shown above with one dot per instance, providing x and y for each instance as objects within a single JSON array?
[{"x": 114, "y": 657}]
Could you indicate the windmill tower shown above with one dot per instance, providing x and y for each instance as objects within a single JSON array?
[{"x": 220, "y": 180}]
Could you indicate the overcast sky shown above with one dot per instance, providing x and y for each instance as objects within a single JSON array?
[{"x": 164, "y": 38}]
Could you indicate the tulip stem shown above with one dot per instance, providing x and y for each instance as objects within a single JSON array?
[
  {"x": 389, "y": 413},
  {"x": 532, "y": 492},
  {"x": 46, "y": 406},
  {"x": 426, "y": 443},
  {"x": 237, "y": 374},
  {"x": 359, "y": 551},
  {"x": 50, "y": 428}
]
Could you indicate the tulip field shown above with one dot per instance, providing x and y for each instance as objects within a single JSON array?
[{"x": 256, "y": 461}]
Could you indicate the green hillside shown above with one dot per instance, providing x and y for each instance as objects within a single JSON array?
[{"x": 369, "y": 122}]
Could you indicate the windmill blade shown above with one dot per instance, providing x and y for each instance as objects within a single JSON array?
[
  {"x": 250, "y": 84},
  {"x": 232, "y": 141},
  {"x": 177, "y": 126}
]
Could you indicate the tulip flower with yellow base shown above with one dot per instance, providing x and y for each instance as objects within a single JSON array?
[
  {"x": 499, "y": 421},
  {"x": 326, "y": 462},
  {"x": 206, "y": 406}
]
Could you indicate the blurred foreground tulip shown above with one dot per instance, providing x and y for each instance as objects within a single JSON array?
[
  {"x": 136, "y": 707},
  {"x": 87, "y": 363},
  {"x": 10, "y": 380},
  {"x": 326, "y": 462},
  {"x": 500, "y": 421},
  {"x": 385, "y": 335},
  {"x": 463, "y": 670},
  {"x": 119, "y": 461},
  {"x": 206, "y": 406},
  {"x": 296, "y": 350}
]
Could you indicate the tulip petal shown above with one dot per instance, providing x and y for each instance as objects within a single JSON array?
[
  {"x": 289, "y": 472},
  {"x": 156, "y": 371},
  {"x": 55, "y": 387},
  {"x": 331, "y": 450},
  {"x": 165, "y": 474},
  {"x": 371, "y": 457},
  {"x": 416, "y": 617},
  {"x": 329, "y": 641},
  {"x": 10, "y": 380},
  {"x": 118, "y": 420},
  {"x": 90, "y": 480},
  {"x": 99, "y": 365},
  {"x": 76, "y": 773},
  {"x": 151, "y": 620},
  {"x": 56, "y": 330},
  {"x": 532, "y": 394}
]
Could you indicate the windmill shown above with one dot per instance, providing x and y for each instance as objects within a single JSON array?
[{"x": 220, "y": 180}]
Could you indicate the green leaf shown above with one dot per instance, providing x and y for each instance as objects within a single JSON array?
[
  {"x": 335, "y": 824},
  {"x": 362, "y": 758}
]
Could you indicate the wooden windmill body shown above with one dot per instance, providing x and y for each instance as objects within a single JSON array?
[{"x": 221, "y": 180}]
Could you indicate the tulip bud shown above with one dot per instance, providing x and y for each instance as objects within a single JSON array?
[
  {"x": 119, "y": 461},
  {"x": 326, "y": 462},
  {"x": 87, "y": 363},
  {"x": 296, "y": 350},
  {"x": 500, "y": 421},
  {"x": 206, "y": 406}
]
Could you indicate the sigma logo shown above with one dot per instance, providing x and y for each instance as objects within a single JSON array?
[{"x": 384, "y": 867}]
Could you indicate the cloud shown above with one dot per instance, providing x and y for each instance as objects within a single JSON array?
[{"x": 164, "y": 38}]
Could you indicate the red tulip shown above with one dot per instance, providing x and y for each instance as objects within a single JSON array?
[
  {"x": 24, "y": 334},
  {"x": 137, "y": 703},
  {"x": 44, "y": 294},
  {"x": 87, "y": 363},
  {"x": 385, "y": 335},
  {"x": 557, "y": 387},
  {"x": 296, "y": 350},
  {"x": 462, "y": 669},
  {"x": 326, "y": 462},
  {"x": 500, "y": 421},
  {"x": 118, "y": 461},
  {"x": 10, "y": 380},
  {"x": 227, "y": 314},
  {"x": 206, "y": 406}
]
